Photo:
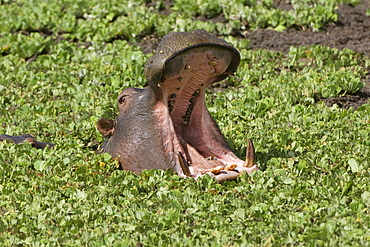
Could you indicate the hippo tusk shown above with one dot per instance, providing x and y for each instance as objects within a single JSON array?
[
  {"x": 183, "y": 164},
  {"x": 249, "y": 157},
  {"x": 225, "y": 176},
  {"x": 217, "y": 170},
  {"x": 230, "y": 167}
]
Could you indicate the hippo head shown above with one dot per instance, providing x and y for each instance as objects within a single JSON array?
[{"x": 167, "y": 125}]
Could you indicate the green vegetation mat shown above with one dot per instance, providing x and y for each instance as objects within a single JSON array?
[{"x": 62, "y": 65}]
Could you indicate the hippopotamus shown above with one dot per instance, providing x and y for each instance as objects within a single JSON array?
[
  {"x": 167, "y": 125},
  {"x": 26, "y": 138}
]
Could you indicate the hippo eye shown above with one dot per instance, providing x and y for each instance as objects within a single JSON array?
[{"x": 122, "y": 100}]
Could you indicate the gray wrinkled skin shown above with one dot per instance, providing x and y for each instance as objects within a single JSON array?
[{"x": 136, "y": 137}]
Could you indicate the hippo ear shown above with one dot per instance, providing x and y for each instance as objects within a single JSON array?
[{"x": 106, "y": 126}]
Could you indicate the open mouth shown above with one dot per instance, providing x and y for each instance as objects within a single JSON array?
[{"x": 184, "y": 82}]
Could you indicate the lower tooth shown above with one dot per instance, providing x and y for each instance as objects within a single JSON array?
[
  {"x": 230, "y": 167},
  {"x": 217, "y": 170}
]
